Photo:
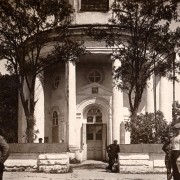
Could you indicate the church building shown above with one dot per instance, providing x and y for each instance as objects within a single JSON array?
[{"x": 77, "y": 102}]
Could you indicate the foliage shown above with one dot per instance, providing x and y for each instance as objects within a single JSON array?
[
  {"x": 149, "y": 129},
  {"x": 176, "y": 113},
  {"x": 8, "y": 108},
  {"x": 141, "y": 39},
  {"x": 27, "y": 29}
]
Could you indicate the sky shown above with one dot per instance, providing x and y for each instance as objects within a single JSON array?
[{"x": 2, "y": 67}]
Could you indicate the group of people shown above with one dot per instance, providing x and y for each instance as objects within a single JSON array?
[{"x": 172, "y": 150}]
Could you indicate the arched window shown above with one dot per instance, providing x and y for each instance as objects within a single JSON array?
[
  {"x": 95, "y": 76},
  {"x": 94, "y": 115},
  {"x": 55, "y": 118}
]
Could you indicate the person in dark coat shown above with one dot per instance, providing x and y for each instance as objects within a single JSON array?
[
  {"x": 4, "y": 153},
  {"x": 176, "y": 152},
  {"x": 112, "y": 150},
  {"x": 167, "y": 148}
]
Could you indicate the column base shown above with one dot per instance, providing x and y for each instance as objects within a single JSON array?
[
  {"x": 75, "y": 154},
  {"x": 73, "y": 148}
]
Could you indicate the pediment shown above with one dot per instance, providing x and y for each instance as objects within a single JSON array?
[{"x": 94, "y": 88}]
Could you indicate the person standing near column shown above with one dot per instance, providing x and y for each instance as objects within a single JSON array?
[
  {"x": 112, "y": 150},
  {"x": 176, "y": 152},
  {"x": 167, "y": 148},
  {"x": 4, "y": 153}
]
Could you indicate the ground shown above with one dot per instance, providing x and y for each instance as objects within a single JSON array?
[
  {"x": 89, "y": 170},
  {"x": 82, "y": 174}
]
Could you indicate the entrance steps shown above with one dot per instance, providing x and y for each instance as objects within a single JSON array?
[{"x": 90, "y": 164}]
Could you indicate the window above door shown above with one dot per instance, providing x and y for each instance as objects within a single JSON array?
[
  {"x": 94, "y": 5},
  {"x": 94, "y": 115}
]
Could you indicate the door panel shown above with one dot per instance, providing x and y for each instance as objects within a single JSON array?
[{"x": 94, "y": 142}]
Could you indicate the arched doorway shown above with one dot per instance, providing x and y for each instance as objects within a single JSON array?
[
  {"x": 94, "y": 134},
  {"x": 96, "y": 115}
]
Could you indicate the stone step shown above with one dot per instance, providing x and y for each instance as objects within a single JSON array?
[{"x": 90, "y": 164}]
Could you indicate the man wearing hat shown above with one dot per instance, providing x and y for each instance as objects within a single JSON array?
[
  {"x": 112, "y": 150},
  {"x": 176, "y": 152}
]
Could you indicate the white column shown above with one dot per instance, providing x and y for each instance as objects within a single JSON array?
[
  {"x": 22, "y": 123},
  {"x": 150, "y": 96},
  {"x": 39, "y": 110},
  {"x": 71, "y": 104},
  {"x": 117, "y": 106},
  {"x": 110, "y": 123},
  {"x": 165, "y": 100}
]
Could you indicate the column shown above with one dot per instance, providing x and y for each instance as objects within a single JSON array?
[
  {"x": 22, "y": 122},
  {"x": 117, "y": 106},
  {"x": 165, "y": 100},
  {"x": 39, "y": 110},
  {"x": 71, "y": 103},
  {"x": 150, "y": 96},
  {"x": 110, "y": 123}
]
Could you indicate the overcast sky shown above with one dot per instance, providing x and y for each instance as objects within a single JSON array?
[{"x": 2, "y": 67}]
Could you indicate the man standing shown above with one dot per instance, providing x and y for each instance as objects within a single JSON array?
[
  {"x": 4, "y": 153},
  {"x": 112, "y": 150},
  {"x": 167, "y": 148},
  {"x": 176, "y": 152}
]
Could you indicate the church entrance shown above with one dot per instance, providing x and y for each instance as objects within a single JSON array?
[
  {"x": 95, "y": 134},
  {"x": 94, "y": 141}
]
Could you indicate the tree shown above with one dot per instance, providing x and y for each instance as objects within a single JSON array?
[
  {"x": 8, "y": 108},
  {"x": 176, "y": 113},
  {"x": 149, "y": 129},
  {"x": 140, "y": 36},
  {"x": 27, "y": 28}
]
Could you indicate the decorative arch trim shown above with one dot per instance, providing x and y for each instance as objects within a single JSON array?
[{"x": 98, "y": 102}]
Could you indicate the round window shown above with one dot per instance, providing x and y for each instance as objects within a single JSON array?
[
  {"x": 95, "y": 76},
  {"x": 56, "y": 81}
]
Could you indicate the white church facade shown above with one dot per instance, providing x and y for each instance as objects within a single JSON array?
[{"x": 77, "y": 102}]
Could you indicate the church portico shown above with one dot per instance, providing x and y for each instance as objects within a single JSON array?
[{"x": 84, "y": 109}]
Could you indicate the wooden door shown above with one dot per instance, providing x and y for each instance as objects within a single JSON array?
[{"x": 94, "y": 141}]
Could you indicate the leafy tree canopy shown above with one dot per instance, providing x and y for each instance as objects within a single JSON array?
[
  {"x": 141, "y": 38},
  {"x": 148, "y": 129},
  {"x": 34, "y": 34}
]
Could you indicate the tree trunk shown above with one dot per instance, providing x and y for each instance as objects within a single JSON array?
[
  {"x": 30, "y": 129},
  {"x": 133, "y": 123}
]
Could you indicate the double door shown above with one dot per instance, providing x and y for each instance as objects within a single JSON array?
[{"x": 94, "y": 141}]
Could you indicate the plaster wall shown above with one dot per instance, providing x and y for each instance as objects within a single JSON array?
[{"x": 54, "y": 97}]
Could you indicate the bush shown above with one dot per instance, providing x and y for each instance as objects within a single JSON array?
[
  {"x": 149, "y": 128},
  {"x": 8, "y": 108}
]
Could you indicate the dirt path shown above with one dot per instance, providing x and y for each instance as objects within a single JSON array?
[{"x": 82, "y": 174}]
